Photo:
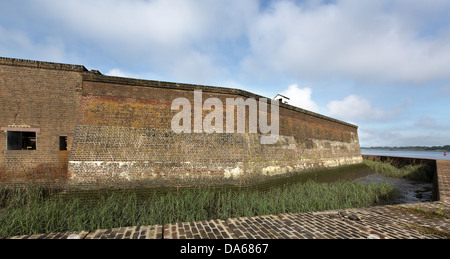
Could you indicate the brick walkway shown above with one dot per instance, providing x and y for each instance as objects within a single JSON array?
[
  {"x": 413, "y": 221},
  {"x": 444, "y": 180}
]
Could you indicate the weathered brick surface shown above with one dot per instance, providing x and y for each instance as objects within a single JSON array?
[
  {"x": 119, "y": 133},
  {"x": 388, "y": 222},
  {"x": 124, "y": 137},
  {"x": 43, "y": 96},
  {"x": 213, "y": 229},
  {"x": 141, "y": 232},
  {"x": 443, "y": 167},
  {"x": 68, "y": 235}
]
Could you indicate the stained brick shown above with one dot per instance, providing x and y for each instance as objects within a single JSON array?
[{"x": 119, "y": 133}]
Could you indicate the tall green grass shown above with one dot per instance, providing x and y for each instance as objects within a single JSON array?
[
  {"x": 413, "y": 172},
  {"x": 28, "y": 212}
]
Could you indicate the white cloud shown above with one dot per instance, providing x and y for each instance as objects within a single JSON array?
[
  {"x": 179, "y": 37},
  {"x": 119, "y": 73},
  {"x": 134, "y": 22},
  {"x": 373, "y": 137},
  {"x": 18, "y": 44},
  {"x": 375, "y": 40},
  {"x": 397, "y": 136},
  {"x": 429, "y": 123},
  {"x": 301, "y": 97},
  {"x": 355, "y": 108}
]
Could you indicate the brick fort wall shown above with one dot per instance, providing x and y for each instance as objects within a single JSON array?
[
  {"x": 42, "y": 98},
  {"x": 124, "y": 137},
  {"x": 119, "y": 133}
]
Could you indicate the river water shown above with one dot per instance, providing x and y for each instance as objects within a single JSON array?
[{"x": 413, "y": 154}]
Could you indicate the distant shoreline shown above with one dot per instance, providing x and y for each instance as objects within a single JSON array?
[
  {"x": 425, "y": 154},
  {"x": 422, "y": 149}
]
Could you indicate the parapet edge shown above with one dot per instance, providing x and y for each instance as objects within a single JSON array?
[{"x": 41, "y": 64}]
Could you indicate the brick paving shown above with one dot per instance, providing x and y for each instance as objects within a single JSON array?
[
  {"x": 141, "y": 232},
  {"x": 444, "y": 180},
  {"x": 213, "y": 229},
  {"x": 408, "y": 221}
]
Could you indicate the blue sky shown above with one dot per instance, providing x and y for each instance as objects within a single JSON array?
[{"x": 383, "y": 65}]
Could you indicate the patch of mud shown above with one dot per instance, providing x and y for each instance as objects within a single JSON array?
[{"x": 408, "y": 191}]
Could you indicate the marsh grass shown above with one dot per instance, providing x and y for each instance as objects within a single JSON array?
[
  {"x": 420, "y": 172},
  {"x": 31, "y": 211}
]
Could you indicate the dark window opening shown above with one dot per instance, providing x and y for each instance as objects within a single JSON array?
[
  {"x": 63, "y": 143},
  {"x": 21, "y": 140}
]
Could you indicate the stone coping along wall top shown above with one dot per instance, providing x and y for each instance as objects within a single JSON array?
[{"x": 41, "y": 64}]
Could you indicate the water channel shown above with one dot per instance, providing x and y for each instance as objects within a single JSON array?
[{"x": 408, "y": 191}]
